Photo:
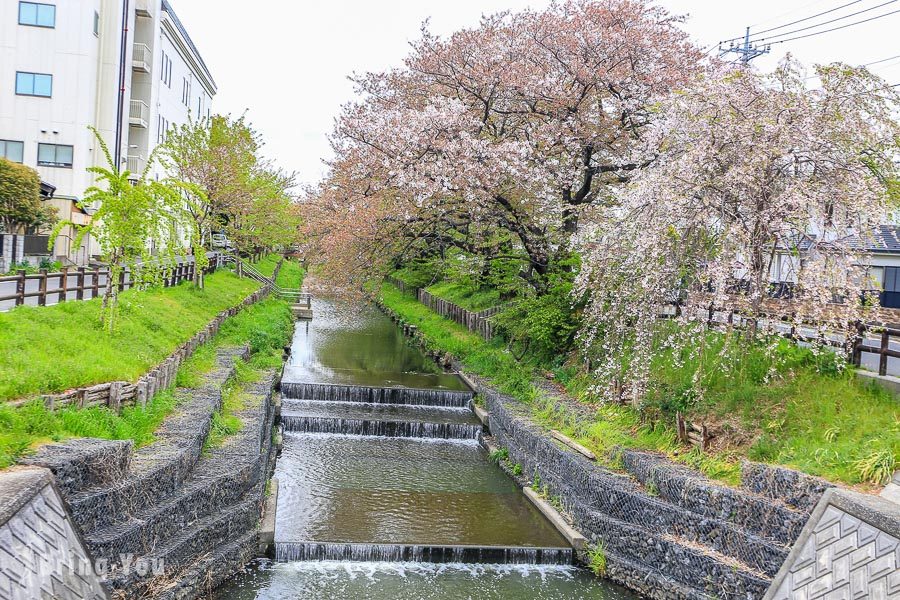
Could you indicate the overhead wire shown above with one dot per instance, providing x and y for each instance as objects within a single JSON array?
[
  {"x": 835, "y": 20},
  {"x": 815, "y": 33},
  {"x": 797, "y": 21}
]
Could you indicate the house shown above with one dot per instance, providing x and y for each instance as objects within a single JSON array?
[
  {"x": 882, "y": 259},
  {"x": 125, "y": 67}
]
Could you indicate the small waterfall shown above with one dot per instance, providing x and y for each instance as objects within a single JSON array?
[
  {"x": 375, "y": 395},
  {"x": 305, "y": 551},
  {"x": 413, "y": 429}
]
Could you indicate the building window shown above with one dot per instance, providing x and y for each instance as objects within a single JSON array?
[
  {"x": 166, "y": 71},
  {"x": 54, "y": 155},
  {"x": 162, "y": 126},
  {"x": 186, "y": 92},
  {"x": 96, "y": 23},
  {"x": 34, "y": 84},
  {"x": 37, "y": 15},
  {"x": 14, "y": 151}
]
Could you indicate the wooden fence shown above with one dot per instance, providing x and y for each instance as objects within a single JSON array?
[
  {"x": 478, "y": 322},
  {"x": 867, "y": 338},
  {"x": 84, "y": 284}
]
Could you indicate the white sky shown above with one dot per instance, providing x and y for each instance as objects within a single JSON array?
[{"x": 287, "y": 61}]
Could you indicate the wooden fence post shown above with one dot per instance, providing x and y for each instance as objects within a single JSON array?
[
  {"x": 42, "y": 298},
  {"x": 79, "y": 292},
  {"x": 20, "y": 288},
  {"x": 63, "y": 285},
  {"x": 95, "y": 277},
  {"x": 122, "y": 280},
  {"x": 883, "y": 357}
]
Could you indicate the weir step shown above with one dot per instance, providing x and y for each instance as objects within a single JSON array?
[
  {"x": 384, "y": 420},
  {"x": 376, "y": 395},
  {"x": 309, "y": 551}
]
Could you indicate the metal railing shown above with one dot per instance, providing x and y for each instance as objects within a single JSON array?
[
  {"x": 141, "y": 59},
  {"x": 135, "y": 165},
  {"x": 139, "y": 114},
  {"x": 294, "y": 296}
]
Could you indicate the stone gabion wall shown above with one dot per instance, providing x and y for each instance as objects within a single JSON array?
[
  {"x": 795, "y": 489},
  {"x": 849, "y": 549},
  {"x": 41, "y": 554},
  {"x": 605, "y": 507}
]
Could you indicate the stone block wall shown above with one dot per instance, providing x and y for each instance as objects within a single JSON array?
[
  {"x": 41, "y": 553},
  {"x": 849, "y": 549}
]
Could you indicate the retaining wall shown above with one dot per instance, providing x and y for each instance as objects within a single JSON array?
[
  {"x": 41, "y": 553},
  {"x": 185, "y": 516},
  {"x": 850, "y": 548}
]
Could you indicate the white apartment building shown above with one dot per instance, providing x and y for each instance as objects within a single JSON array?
[{"x": 62, "y": 66}]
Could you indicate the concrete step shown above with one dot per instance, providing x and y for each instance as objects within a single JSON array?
[{"x": 385, "y": 420}]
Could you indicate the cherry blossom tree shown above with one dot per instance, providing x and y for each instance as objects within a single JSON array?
[
  {"x": 517, "y": 125},
  {"x": 750, "y": 169}
]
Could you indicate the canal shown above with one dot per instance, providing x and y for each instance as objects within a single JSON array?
[{"x": 384, "y": 489}]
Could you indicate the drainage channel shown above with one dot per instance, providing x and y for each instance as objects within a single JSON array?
[{"x": 384, "y": 489}]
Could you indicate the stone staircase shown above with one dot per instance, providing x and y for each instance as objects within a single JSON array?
[
  {"x": 172, "y": 519},
  {"x": 666, "y": 530}
]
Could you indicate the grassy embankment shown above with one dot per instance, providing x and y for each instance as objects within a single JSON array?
[
  {"x": 55, "y": 348},
  {"x": 782, "y": 410}
]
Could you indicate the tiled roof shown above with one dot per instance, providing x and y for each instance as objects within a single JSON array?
[{"x": 886, "y": 239}]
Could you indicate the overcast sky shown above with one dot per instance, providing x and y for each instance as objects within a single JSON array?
[{"x": 286, "y": 62}]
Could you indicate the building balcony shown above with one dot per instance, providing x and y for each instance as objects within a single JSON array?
[
  {"x": 139, "y": 115},
  {"x": 142, "y": 58},
  {"x": 135, "y": 166},
  {"x": 143, "y": 8}
]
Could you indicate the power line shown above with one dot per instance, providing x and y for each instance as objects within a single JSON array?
[
  {"x": 875, "y": 62},
  {"x": 787, "y": 13},
  {"x": 810, "y": 18},
  {"x": 800, "y": 37},
  {"x": 795, "y": 22},
  {"x": 836, "y": 19}
]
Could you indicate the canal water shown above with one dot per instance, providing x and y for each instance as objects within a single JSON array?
[{"x": 384, "y": 490}]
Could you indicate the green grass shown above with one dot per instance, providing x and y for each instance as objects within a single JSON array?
[
  {"x": 55, "y": 348},
  {"x": 467, "y": 297},
  {"x": 786, "y": 412},
  {"x": 266, "y": 326},
  {"x": 290, "y": 276},
  {"x": 225, "y": 422}
]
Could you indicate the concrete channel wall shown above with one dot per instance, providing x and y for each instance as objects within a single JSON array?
[
  {"x": 850, "y": 548},
  {"x": 41, "y": 553}
]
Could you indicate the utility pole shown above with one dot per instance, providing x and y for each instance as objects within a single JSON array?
[{"x": 746, "y": 51}]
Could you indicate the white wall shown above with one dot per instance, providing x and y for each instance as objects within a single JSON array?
[{"x": 70, "y": 53}]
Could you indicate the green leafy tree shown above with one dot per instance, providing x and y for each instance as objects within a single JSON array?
[
  {"x": 131, "y": 218},
  {"x": 211, "y": 161},
  {"x": 265, "y": 214},
  {"x": 20, "y": 198}
]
